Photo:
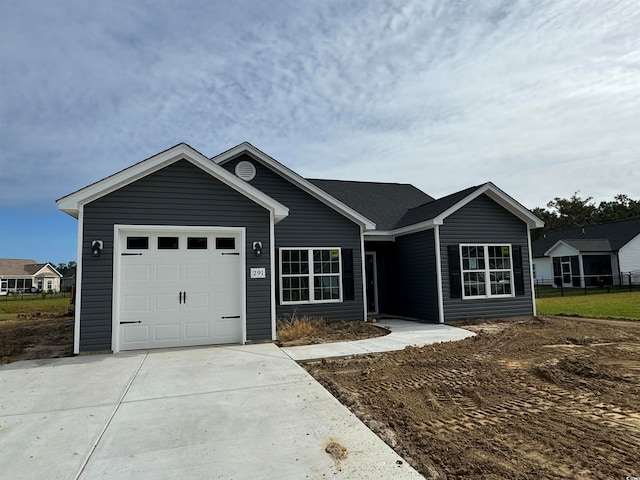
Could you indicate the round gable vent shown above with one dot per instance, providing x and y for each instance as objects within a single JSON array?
[{"x": 245, "y": 170}]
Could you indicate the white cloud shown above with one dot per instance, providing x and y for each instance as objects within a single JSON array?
[{"x": 540, "y": 97}]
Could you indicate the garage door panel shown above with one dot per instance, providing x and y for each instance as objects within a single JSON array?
[
  {"x": 168, "y": 302},
  {"x": 178, "y": 297},
  {"x": 167, "y": 332},
  {"x": 136, "y": 273},
  {"x": 195, "y": 272},
  {"x": 197, "y": 331},
  {"x": 198, "y": 301},
  {"x": 135, "y": 334},
  {"x": 167, "y": 273}
]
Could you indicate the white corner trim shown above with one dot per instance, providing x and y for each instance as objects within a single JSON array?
[
  {"x": 363, "y": 258},
  {"x": 71, "y": 202},
  {"x": 436, "y": 236},
  {"x": 297, "y": 180},
  {"x": 272, "y": 273},
  {"x": 78, "y": 293}
]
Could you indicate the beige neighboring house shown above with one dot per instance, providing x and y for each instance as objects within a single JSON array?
[{"x": 26, "y": 276}]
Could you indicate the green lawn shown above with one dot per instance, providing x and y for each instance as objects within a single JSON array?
[
  {"x": 12, "y": 305},
  {"x": 614, "y": 305}
]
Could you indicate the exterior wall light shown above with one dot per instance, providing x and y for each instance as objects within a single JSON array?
[
  {"x": 96, "y": 247},
  {"x": 257, "y": 248}
]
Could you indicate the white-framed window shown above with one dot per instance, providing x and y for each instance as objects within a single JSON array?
[
  {"x": 310, "y": 275},
  {"x": 487, "y": 271}
]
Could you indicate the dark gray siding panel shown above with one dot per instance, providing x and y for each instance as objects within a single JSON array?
[
  {"x": 311, "y": 223},
  {"x": 180, "y": 194},
  {"x": 484, "y": 221},
  {"x": 415, "y": 273}
]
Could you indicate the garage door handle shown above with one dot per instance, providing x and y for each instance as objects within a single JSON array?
[
  {"x": 182, "y": 297},
  {"x": 129, "y": 254},
  {"x": 234, "y": 316},
  {"x": 134, "y": 321},
  {"x": 230, "y": 253}
]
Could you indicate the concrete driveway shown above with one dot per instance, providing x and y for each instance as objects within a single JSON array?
[{"x": 236, "y": 412}]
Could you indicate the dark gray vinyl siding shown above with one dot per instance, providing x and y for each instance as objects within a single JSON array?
[
  {"x": 416, "y": 284},
  {"x": 385, "y": 268},
  {"x": 180, "y": 194},
  {"x": 310, "y": 223},
  {"x": 484, "y": 221}
]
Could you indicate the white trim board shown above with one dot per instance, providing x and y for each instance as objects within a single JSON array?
[
  {"x": 72, "y": 202},
  {"x": 297, "y": 180}
]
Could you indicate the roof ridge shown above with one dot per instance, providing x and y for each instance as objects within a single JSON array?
[{"x": 361, "y": 181}]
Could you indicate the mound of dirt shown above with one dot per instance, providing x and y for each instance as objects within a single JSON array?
[
  {"x": 516, "y": 401},
  {"x": 35, "y": 336}
]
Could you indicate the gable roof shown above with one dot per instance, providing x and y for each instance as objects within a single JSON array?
[
  {"x": 302, "y": 183},
  {"x": 384, "y": 203},
  {"x": 618, "y": 233},
  {"x": 402, "y": 215},
  {"x": 23, "y": 267},
  {"x": 73, "y": 202}
]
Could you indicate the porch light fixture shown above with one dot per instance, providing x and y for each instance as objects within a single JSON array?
[
  {"x": 257, "y": 248},
  {"x": 96, "y": 247}
]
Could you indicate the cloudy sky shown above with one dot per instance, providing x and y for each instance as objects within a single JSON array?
[{"x": 540, "y": 97}]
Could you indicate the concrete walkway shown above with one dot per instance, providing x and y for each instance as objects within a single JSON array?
[
  {"x": 236, "y": 412},
  {"x": 403, "y": 334}
]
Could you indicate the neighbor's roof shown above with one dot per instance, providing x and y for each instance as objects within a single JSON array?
[
  {"x": 21, "y": 267},
  {"x": 383, "y": 203},
  {"x": 589, "y": 245},
  {"x": 618, "y": 233}
]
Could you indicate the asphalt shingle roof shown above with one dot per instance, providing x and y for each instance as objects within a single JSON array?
[
  {"x": 618, "y": 234},
  {"x": 434, "y": 208},
  {"x": 383, "y": 203},
  {"x": 17, "y": 266}
]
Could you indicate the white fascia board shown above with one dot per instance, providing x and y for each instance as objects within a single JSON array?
[
  {"x": 71, "y": 203},
  {"x": 559, "y": 243},
  {"x": 390, "y": 235},
  {"x": 51, "y": 267},
  {"x": 502, "y": 199},
  {"x": 297, "y": 180}
]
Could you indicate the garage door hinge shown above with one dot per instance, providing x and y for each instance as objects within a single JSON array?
[
  {"x": 129, "y": 254},
  {"x": 134, "y": 321},
  {"x": 234, "y": 316}
]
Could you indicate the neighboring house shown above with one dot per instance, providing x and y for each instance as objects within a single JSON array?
[
  {"x": 68, "y": 280},
  {"x": 20, "y": 276},
  {"x": 594, "y": 255},
  {"x": 180, "y": 249}
]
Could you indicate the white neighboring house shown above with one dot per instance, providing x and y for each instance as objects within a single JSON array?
[
  {"x": 25, "y": 276},
  {"x": 604, "y": 254}
]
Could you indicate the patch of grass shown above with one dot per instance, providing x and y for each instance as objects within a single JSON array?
[
  {"x": 606, "y": 305},
  {"x": 296, "y": 328},
  {"x": 14, "y": 305}
]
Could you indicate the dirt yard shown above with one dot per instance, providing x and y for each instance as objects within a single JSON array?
[
  {"x": 543, "y": 398},
  {"x": 34, "y": 336}
]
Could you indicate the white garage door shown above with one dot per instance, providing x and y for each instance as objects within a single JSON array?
[{"x": 179, "y": 288}]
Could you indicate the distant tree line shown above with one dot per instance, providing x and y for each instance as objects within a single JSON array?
[
  {"x": 575, "y": 211},
  {"x": 65, "y": 269}
]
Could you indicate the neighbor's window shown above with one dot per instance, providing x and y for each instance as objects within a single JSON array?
[
  {"x": 310, "y": 275},
  {"x": 486, "y": 271}
]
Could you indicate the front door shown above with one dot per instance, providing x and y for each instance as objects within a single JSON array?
[
  {"x": 371, "y": 275},
  {"x": 566, "y": 273}
]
